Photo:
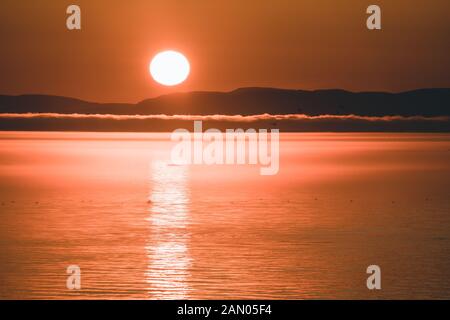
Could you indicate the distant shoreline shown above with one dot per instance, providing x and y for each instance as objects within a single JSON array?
[{"x": 164, "y": 123}]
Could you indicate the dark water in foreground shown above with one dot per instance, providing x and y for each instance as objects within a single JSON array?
[{"x": 340, "y": 203}]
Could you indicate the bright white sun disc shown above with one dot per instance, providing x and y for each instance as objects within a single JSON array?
[{"x": 169, "y": 68}]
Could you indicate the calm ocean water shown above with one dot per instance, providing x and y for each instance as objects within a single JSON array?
[{"x": 340, "y": 203}]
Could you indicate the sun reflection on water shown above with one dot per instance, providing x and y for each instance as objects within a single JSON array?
[{"x": 168, "y": 244}]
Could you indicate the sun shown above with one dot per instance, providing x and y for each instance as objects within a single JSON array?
[{"x": 169, "y": 68}]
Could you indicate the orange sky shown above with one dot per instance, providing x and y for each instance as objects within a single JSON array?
[{"x": 304, "y": 44}]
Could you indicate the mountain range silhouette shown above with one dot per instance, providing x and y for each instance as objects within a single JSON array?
[{"x": 249, "y": 101}]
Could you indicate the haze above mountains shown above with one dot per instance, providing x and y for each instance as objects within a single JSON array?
[{"x": 249, "y": 101}]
